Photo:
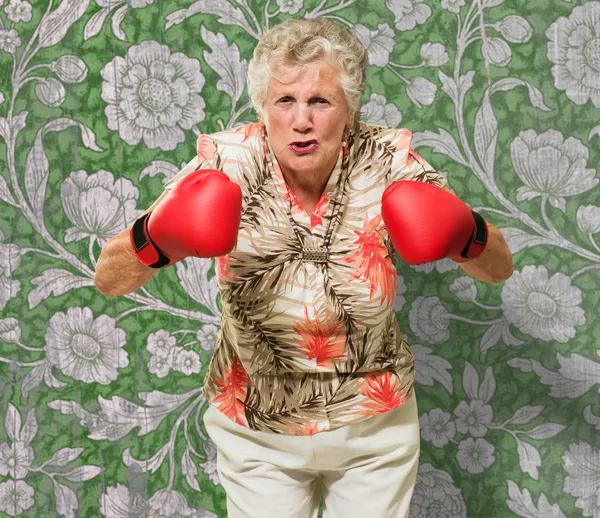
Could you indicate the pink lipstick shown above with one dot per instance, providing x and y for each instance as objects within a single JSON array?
[{"x": 302, "y": 147}]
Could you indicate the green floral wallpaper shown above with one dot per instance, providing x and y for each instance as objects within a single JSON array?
[{"x": 101, "y": 102}]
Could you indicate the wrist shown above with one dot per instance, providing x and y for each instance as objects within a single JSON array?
[
  {"x": 145, "y": 249},
  {"x": 477, "y": 242}
]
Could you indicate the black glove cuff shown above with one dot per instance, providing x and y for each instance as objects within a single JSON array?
[
  {"x": 478, "y": 240},
  {"x": 145, "y": 249}
]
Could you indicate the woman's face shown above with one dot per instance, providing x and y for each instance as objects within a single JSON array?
[{"x": 305, "y": 119}]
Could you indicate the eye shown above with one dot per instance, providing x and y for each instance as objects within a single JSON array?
[
  {"x": 320, "y": 100},
  {"x": 284, "y": 99}
]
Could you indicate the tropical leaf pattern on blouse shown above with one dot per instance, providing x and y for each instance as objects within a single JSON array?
[{"x": 310, "y": 345}]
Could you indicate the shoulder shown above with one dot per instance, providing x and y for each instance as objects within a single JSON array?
[
  {"x": 232, "y": 151},
  {"x": 393, "y": 139},
  {"x": 229, "y": 149},
  {"x": 240, "y": 136}
]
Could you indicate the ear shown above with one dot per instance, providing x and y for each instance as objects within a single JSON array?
[{"x": 350, "y": 119}]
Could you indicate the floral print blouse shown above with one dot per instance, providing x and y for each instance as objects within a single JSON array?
[{"x": 309, "y": 340}]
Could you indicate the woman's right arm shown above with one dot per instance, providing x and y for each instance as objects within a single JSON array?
[{"x": 118, "y": 271}]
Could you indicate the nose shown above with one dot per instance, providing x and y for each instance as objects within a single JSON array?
[{"x": 302, "y": 118}]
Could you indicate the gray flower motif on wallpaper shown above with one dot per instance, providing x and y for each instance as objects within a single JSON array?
[
  {"x": 547, "y": 308},
  {"x": 520, "y": 502},
  {"x": 435, "y": 495},
  {"x": 153, "y": 95},
  {"x": 9, "y": 40},
  {"x": 86, "y": 349},
  {"x": 550, "y": 165},
  {"x": 429, "y": 320},
  {"x": 379, "y": 112},
  {"x": 166, "y": 356},
  {"x": 582, "y": 464},
  {"x": 289, "y": 6},
  {"x": 475, "y": 417},
  {"x": 408, "y": 13},
  {"x": 98, "y": 206},
  {"x": 574, "y": 48},
  {"x": 453, "y": 5},
  {"x": 210, "y": 466},
  {"x": 119, "y": 502},
  {"x": 378, "y": 43},
  {"x": 10, "y": 259},
  {"x": 18, "y": 11},
  {"x": 542, "y": 307},
  {"x": 515, "y": 29},
  {"x": 17, "y": 460},
  {"x": 437, "y": 427},
  {"x": 475, "y": 455},
  {"x": 120, "y": 8}
]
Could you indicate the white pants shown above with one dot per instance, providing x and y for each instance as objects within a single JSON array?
[{"x": 367, "y": 469}]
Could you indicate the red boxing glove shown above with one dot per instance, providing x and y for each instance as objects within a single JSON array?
[
  {"x": 427, "y": 223},
  {"x": 200, "y": 217}
]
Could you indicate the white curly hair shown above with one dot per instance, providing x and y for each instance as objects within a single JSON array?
[{"x": 297, "y": 42}]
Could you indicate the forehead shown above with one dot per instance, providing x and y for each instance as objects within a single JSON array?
[{"x": 310, "y": 78}]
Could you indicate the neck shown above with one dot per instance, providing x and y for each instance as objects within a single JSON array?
[{"x": 312, "y": 185}]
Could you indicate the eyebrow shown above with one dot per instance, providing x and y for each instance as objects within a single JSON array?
[{"x": 312, "y": 98}]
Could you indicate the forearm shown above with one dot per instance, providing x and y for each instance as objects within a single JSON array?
[
  {"x": 118, "y": 271},
  {"x": 495, "y": 264}
]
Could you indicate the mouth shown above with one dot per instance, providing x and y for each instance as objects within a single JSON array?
[{"x": 303, "y": 146}]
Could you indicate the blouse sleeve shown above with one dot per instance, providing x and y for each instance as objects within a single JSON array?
[
  {"x": 407, "y": 164},
  {"x": 206, "y": 158}
]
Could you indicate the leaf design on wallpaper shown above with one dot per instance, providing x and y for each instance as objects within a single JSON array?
[
  {"x": 55, "y": 281},
  {"x": 491, "y": 3},
  {"x": 440, "y": 143},
  {"x": 37, "y": 168},
  {"x": 189, "y": 470},
  {"x": 525, "y": 414},
  {"x": 63, "y": 456},
  {"x": 95, "y": 23},
  {"x": 491, "y": 337},
  {"x": 590, "y": 417},
  {"x": 82, "y": 473},
  {"x": 148, "y": 465},
  {"x": 593, "y": 132},
  {"x": 117, "y": 19},
  {"x": 518, "y": 239},
  {"x": 454, "y": 91},
  {"x": 473, "y": 389},
  {"x": 520, "y": 502},
  {"x": 66, "y": 500},
  {"x": 9, "y": 133},
  {"x": 225, "y": 61},
  {"x": 118, "y": 416},
  {"x": 430, "y": 367},
  {"x": 227, "y": 13},
  {"x": 529, "y": 458},
  {"x": 485, "y": 135},
  {"x": 545, "y": 431},
  {"x": 14, "y": 427},
  {"x": 193, "y": 276},
  {"x": 574, "y": 378},
  {"x": 535, "y": 96},
  {"x": 5, "y": 194},
  {"x": 167, "y": 169},
  {"x": 53, "y": 27},
  {"x": 13, "y": 128},
  {"x": 35, "y": 376}
]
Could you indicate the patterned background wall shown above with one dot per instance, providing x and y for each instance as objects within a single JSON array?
[{"x": 101, "y": 102}]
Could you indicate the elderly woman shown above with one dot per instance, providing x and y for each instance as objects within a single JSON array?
[{"x": 310, "y": 388}]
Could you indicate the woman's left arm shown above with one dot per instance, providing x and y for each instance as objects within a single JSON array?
[{"x": 495, "y": 264}]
